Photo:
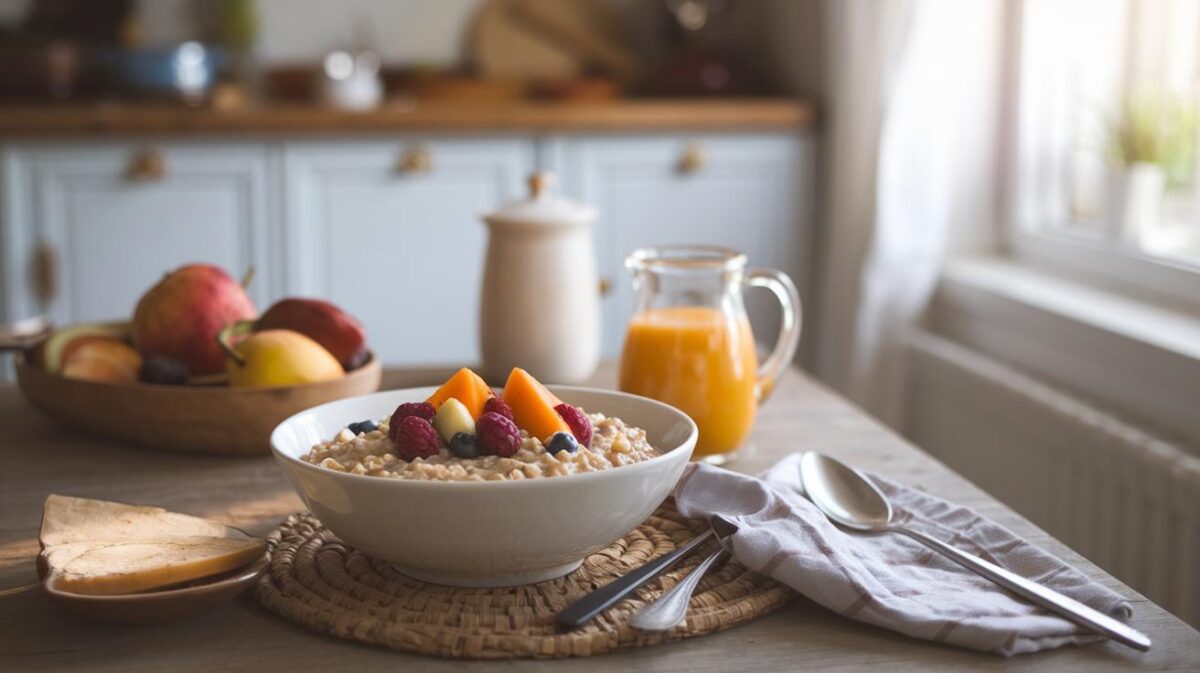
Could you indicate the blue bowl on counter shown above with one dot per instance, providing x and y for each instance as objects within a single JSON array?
[{"x": 187, "y": 70}]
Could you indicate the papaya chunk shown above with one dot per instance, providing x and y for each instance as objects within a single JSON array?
[
  {"x": 467, "y": 387},
  {"x": 533, "y": 405}
]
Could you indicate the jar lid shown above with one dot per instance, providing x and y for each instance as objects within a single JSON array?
[{"x": 542, "y": 208}]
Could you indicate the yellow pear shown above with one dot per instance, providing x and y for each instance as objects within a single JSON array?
[{"x": 280, "y": 357}]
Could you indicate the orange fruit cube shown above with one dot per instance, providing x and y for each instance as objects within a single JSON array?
[
  {"x": 467, "y": 387},
  {"x": 533, "y": 405}
]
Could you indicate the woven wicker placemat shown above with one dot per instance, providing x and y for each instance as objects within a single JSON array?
[{"x": 317, "y": 581}]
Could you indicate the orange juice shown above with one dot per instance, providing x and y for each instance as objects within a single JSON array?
[{"x": 700, "y": 360}]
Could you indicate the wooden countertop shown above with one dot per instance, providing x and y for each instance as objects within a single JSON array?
[
  {"x": 291, "y": 119},
  {"x": 35, "y": 635}
]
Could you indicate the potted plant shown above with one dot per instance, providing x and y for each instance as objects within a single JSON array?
[{"x": 1152, "y": 147}]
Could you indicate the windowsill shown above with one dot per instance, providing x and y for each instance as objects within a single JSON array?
[
  {"x": 1176, "y": 244},
  {"x": 1136, "y": 358},
  {"x": 1151, "y": 325},
  {"x": 1119, "y": 270}
]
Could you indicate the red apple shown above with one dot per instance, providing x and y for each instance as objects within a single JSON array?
[
  {"x": 322, "y": 322},
  {"x": 181, "y": 316}
]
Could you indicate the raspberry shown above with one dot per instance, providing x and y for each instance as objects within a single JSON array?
[
  {"x": 415, "y": 437},
  {"x": 419, "y": 409},
  {"x": 496, "y": 405},
  {"x": 579, "y": 423},
  {"x": 497, "y": 435}
]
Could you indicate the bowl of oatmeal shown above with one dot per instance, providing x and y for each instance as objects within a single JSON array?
[{"x": 450, "y": 517}]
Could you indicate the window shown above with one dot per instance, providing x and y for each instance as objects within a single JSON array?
[{"x": 1106, "y": 172}]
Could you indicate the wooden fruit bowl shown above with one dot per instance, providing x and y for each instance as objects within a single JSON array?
[{"x": 200, "y": 419}]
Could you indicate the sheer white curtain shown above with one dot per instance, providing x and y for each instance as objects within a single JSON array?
[{"x": 912, "y": 128}]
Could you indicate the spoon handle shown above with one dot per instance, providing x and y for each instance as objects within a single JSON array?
[
  {"x": 670, "y": 609},
  {"x": 1036, "y": 593},
  {"x": 585, "y": 609}
]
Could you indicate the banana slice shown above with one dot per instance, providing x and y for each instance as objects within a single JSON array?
[{"x": 452, "y": 418}]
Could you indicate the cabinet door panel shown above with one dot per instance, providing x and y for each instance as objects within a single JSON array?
[
  {"x": 114, "y": 237},
  {"x": 743, "y": 192},
  {"x": 400, "y": 250}
]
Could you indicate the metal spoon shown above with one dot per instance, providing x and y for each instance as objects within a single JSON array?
[
  {"x": 585, "y": 609},
  {"x": 670, "y": 609},
  {"x": 850, "y": 499}
]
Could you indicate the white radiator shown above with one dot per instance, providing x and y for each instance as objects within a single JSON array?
[{"x": 1127, "y": 501}]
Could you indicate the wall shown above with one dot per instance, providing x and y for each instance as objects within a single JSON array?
[
  {"x": 404, "y": 30},
  {"x": 782, "y": 38},
  {"x": 303, "y": 30}
]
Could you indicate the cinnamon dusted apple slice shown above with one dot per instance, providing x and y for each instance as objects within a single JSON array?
[
  {"x": 99, "y": 547},
  {"x": 131, "y": 566},
  {"x": 67, "y": 519}
]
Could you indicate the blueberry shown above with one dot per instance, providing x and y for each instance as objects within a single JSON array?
[
  {"x": 562, "y": 441},
  {"x": 463, "y": 445},
  {"x": 362, "y": 427},
  {"x": 163, "y": 370}
]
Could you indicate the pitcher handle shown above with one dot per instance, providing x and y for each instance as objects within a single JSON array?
[{"x": 789, "y": 327}]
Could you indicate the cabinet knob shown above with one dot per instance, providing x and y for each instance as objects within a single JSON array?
[
  {"x": 605, "y": 287},
  {"x": 146, "y": 166},
  {"x": 693, "y": 159},
  {"x": 45, "y": 272},
  {"x": 415, "y": 161}
]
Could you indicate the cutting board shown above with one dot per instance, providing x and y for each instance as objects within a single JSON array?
[{"x": 547, "y": 39}]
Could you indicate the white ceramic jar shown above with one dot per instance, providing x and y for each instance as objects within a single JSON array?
[{"x": 540, "y": 301}]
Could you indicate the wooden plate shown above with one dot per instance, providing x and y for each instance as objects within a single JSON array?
[
  {"x": 156, "y": 607},
  {"x": 199, "y": 419}
]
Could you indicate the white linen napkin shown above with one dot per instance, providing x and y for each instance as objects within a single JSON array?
[{"x": 888, "y": 579}]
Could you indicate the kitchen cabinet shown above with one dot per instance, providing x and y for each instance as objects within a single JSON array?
[
  {"x": 391, "y": 232},
  {"x": 101, "y": 223},
  {"x": 385, "y": 225},
  {"x": 748, "y": 192}
]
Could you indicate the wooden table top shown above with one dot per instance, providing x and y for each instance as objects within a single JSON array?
[
  {"x": 620, "y": 116},
  {"x": 35, "y": 635}
]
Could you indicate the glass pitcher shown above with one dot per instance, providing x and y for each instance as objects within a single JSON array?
[{"x": 689, "y": 342}]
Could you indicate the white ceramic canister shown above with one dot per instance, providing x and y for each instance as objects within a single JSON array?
[{"x": 540, "y": 302}]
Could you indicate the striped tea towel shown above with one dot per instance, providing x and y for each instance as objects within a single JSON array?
[{"x": 888, "y": 579}]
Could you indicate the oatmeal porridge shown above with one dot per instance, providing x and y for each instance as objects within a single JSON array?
[{"x": 372, "y": 452}]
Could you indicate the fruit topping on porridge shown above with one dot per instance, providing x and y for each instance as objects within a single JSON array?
[{"x": 466, "y": 432}]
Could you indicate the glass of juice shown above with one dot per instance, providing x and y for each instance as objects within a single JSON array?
[{"x": 689, "y": 342}]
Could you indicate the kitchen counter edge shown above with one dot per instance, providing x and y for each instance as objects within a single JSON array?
[{"x": 626, "y": 116}]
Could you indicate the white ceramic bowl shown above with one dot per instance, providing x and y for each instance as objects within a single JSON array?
[{"x": 492, "y": 533}]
